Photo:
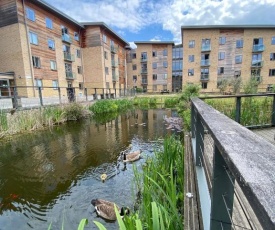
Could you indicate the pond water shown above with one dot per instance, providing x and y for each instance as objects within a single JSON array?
[{"x": 51, "y": 176}]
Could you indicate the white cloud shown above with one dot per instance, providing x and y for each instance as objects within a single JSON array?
[{"x": 134, "y": 15}]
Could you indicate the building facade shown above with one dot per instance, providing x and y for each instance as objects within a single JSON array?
[
  {"x": 45, "y": 48},
  {"x": 150, "y": 66},
  {"x": 215, "y": 53}
]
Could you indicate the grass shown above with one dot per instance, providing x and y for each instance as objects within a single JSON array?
[{"x": 110, "y": 106}]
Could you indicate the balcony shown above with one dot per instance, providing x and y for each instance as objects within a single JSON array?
[
  {"x": 205, "y": 48},
  {"x": 205, "y": 62},
  {"x": 256, "y": 78},
  {"x": 204, "y": 77},
  {"x": 68, "y": 56},
  {"x": 144, "y": 71},
  {"x": 113, "y": 49},
  {"x": 66, "y": 38},
  {"x": 114, "y": 63},
  {"x": 143, "y": 59},
  {"x": 258, "y": 48},
  {"x": 257, "y": 64},
  {"x": 70, "y": 75},
  {"x": 144, "y": 81},
  {"x": 115, "y": 77}
]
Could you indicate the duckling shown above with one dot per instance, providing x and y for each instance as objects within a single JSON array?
[
  {"x": 131, "y": 157},
  {"x": 106, "y": 209},
  {"x": 103, "y": 177}
]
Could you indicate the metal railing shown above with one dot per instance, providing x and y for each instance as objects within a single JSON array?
[
  {"x": 233, "y": 171},
  {"x": 68, "y": 56},
  {"x": 113, "y": 49},
  {"x": 205, "y": 62},
  {"x": 205, "y": 48},
  {"x": 258, "y": 48},
  {"x": 114, "y": 63},
  {"x": 144, "y": 71},
  {"x": 143, "y": 60},
  {"x": 257, "y": 63},
  {"x": 66, "y": 38},
  {"x": 204, "y": 77},
  {"x": 70, "y": 75}
]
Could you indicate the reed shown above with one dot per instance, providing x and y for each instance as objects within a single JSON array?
[{"x": 110, "y": 106}]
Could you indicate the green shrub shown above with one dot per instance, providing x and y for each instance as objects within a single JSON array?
[{"x": 73, "y": 111}]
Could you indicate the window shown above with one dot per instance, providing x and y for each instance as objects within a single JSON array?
[
  {"x": 220, "y": 70},
  {"x": 154, "y": 87},
  {"x": 55, "y": 84},
  {"x": 154, "y": 65},
  {"x": 64, "y": 30},
  {"x": 134, "y": 55},
  {"x": 134, "y": 66},
  {"x": 272, "y": 72},
  {"x": 204, "y": 85},
  {"x": 165, "y": 52},
  {"x": 53, "y": 65},
  {"x": 238, "y": 59},
  {"x": 165, "y": 76},
  {"x": 221, "y": 55},
  {"x": 191, "y": 43},
  {"x": 79, "y": 69},
  {"x": 176, "y": 65},
  {"x": 33, "y": 38},
  {"x": 38, "y": 83},
  {"x": 239, "y": 43},
  {"x": 144, "y": 55},
  {"x": 272, "y": 57},
  {"x": 273, "y": 40},
  {"x": 30, "y": 14},
  {"x": 190, "y": 72},
  {"x": 49, "y": 23},
  {"x": 106, "y": 70},
  {"x": 106, "y": 55},
  {"x": 76, "y": 36},
  {"x": 78, "y": 53},
  {"x": 36, "y": 62},
  {"x": 237, "y": 73},
  {"x": 177, "y": 52},
  {"x": 134, "y": 78},
  {"x": 191, "y": 58},
  {"x": 51, "y": 44},
  {"x": 155, "y": 76},
  {"x": 165, "y": 64},
  {"x": 104, "y": 38},
  {"x": 81, "y": 85},
  {"x": 154, "y": 53},
  {"x": 222, "y": 40}
]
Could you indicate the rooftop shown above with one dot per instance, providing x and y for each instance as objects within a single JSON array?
[
  {"x": 154, "y": 42},
  {"x": 228, "y": 27}
]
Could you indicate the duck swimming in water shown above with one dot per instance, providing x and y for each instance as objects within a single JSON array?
[
  {"x": 131, "y": 157},
  {"x": 106, "y": 209}
]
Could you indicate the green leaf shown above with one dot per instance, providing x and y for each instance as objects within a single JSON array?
[
  {"x": 138, "y": 225},
  {"x": 155, "y": 215},
  {"x": 120, "y": 221},
  {"x": 82, "y": 224},
  {"x": 99, "y": 225},
  {"x": 50, "y": 226}
]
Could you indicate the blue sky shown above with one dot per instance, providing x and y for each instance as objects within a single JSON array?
[{"x": 153, "y": 20}]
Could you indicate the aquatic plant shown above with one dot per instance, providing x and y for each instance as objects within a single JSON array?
[
  {"x": 110, "y": 106},
  {"x": 171, "y": 102}
]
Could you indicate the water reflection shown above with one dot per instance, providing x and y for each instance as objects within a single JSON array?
[{"x": 46, "y": 176}]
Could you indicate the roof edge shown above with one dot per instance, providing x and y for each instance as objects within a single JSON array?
[{"x": 249, "y": 26}]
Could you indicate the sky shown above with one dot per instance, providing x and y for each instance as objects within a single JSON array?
[{"x": 161, "y": 20}]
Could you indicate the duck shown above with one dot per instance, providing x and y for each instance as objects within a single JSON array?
[
  {"x": 106, "y": 209},
  {"x": 103, "y": 177},
  {"x": 131, "y": 157}
]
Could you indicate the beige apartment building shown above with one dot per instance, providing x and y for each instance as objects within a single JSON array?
[
  {"x": 214, "y": 53},
  {"x": 42, "y": 47},
  {"x": 150, "y": 66}
]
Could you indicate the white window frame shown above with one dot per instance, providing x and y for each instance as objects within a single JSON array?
[
  {"x": 49, "y": 23},
  {"x": 222, "y": 40},
  {"x": 53, "y": 65},
  {"x": 239, "y": 43},
  {"x": 191, "y": 58},
  {"x": 51, "y": 44},
  {"x": 273, "y": 40},
  {"x": 154, "y": 65},
  {"x": 78, "y": 53},
  {"x": 221, "y": 55},
  {"x": 191, "y": 44},
  {"x": 165, "y": 64},
  {"x": 76, "y": 36},
  {"x": 33, "y": 38},
  {"x": 190, "y": 72},
  {"x": 55, "y": 84},
  {"x": 39, "y": 83},
  {"x": 36, "y": 62},
  {"x": 104, "y": 38},
  {"x": 30, "y": 14},
  {"x": 238, "y": 59},
  {"x": 165, "y": 52}
]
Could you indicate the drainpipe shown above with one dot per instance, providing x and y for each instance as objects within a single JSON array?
[
  {"x": 104, "y": 60},
  {"x": 29, "y": 47}
]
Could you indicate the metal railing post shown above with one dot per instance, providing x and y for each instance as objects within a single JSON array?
[
  {"x": 199, "y": 134},
  {"x": 15, "y": 98},
  {"x": 40, "y": 96},
  {"x": 238, "y": 109},
  {"x": 115, "y": 92},
  {"x": 59, "y": 95},
  {"x": 273, "y": 112},
  {"x": 103, "y": 94},
  {"x": 222, "y": 194},
  {"x": 86, "y": 93},
  {"x": 192, "y": 121},
  {"x": 95, "y": 94}
]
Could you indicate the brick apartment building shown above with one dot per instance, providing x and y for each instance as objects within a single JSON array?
[
  {"x": 41, "y": 46},
  {"x": 150, "y": 66},
  {"x": 214, "y": 53}
]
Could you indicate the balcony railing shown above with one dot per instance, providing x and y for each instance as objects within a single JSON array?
[
  {"x": 257, "y": 78},
  {"x": 68, "y": 56},
  {"x": 143, "y": 59},
  {"x": 205, "y": 77},
  {"x": 205, "y": 62},
  {"x": 258, "y": 48},
  {"x": 144, "y": 71},
  {"x": 257, "y": 63},
  {"x": 115, "y": 77},
  {"x": 66, "y": 38},
  {"x": 205, "y": 48},
  {"x": 113, "y": 49},
  {"x": 70, "y": 75},
  {"x": 144, "y": 81},
  {"x": 114, "y": 63}
]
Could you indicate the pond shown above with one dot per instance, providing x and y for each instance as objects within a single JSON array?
[{"x": 51, "y": 176}]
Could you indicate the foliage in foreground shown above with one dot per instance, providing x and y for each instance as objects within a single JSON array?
[{"x": 110, "y": 106}]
